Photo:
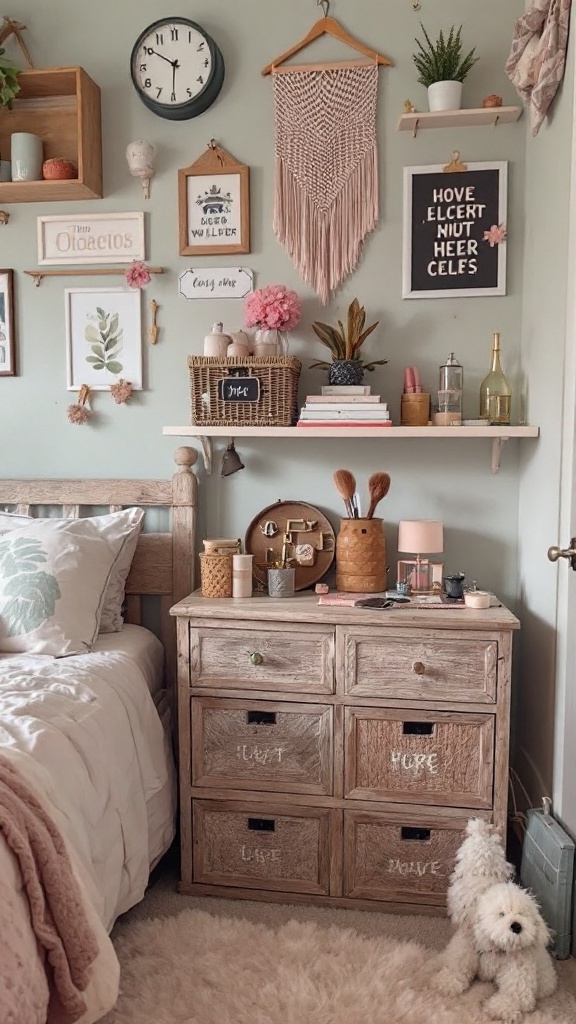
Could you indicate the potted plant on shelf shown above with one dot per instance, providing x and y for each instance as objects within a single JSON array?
[
  {"x": 442, "y": 68},
  {"x": 345, "y": 343},
  {"x": 9, "y": 86}
]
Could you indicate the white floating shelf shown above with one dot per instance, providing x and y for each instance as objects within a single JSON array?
[
  {"x": 498, "y": 435},
  {"x": 472, "y": 117}
]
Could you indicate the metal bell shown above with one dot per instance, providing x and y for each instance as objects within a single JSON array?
[{"x": 231, "y": 461}]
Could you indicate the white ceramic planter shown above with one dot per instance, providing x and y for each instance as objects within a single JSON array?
[{"x": 445, "y": 96}]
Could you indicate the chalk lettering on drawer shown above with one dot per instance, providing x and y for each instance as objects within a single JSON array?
[
  {"x": 260, "y": 855},
  {"x": 259, "y": 755},
  {"x": 415, "y": 763},
  {"x": 414, "y": 867}
]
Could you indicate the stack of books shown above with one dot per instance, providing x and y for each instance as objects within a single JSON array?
[{"x": 349, "y": 406}]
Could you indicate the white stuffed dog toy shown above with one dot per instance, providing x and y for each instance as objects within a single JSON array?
[{"x": 511, "y": 940}]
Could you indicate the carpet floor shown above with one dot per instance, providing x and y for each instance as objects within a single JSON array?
[{"x": 189, "y": 960}]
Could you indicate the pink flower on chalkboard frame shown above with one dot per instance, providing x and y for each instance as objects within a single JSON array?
[{"x": 496, "y": 234}]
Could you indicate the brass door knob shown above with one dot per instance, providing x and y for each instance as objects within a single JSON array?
[
  {"x": 418, "y": 667},
  {"x": 256, "y": 658},
  {"x": 555, "y": 553}
]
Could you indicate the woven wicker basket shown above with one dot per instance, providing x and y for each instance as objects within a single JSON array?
[
  {"x": 277, "y": 405},
  {"x": 216, "y": 575}
]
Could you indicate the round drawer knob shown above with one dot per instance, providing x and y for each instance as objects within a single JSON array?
[
  {"x": 418, "y": 667},
  {"x": 256, "y": 658}
]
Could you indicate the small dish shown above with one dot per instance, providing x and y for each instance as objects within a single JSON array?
[{"x": 477, "y": 599}]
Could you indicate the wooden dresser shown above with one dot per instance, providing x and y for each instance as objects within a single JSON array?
[{"x": 334, "y": 755}]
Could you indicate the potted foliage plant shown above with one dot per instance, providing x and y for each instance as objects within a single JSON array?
[
  {"x": 9, "y": 86},
  {"x": 347, "y": 366},
  {"x": 442, "y": 68}
]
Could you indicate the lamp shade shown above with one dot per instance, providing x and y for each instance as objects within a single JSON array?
[{"x": 420, "y": 536}]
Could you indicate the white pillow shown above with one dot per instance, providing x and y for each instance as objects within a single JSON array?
[
  {"x": 124, "y": 525},
  {"x": 53, "y": 577}
]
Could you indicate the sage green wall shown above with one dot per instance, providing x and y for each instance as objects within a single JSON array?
[{"x": 450, "y": 480}]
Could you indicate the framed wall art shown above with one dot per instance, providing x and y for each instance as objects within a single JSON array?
[
  {"x": 7, "y": 328},
  {"x": 91, "y": 238},
  {"x": 214, "y": 205},
  {"x": 454, "y": 231},
  {"x": 103, "y": 337}
]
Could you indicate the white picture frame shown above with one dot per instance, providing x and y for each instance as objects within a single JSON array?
[
  {"x": 83, "y": 238},
  {"x": 444, "y": 255},
  {"x": 103, "y": 326}
]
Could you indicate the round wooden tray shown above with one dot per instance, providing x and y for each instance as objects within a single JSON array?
[{"x": 310, "y": 549}]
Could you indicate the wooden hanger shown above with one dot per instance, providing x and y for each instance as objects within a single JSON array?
[{"x": 330, "y": 27}]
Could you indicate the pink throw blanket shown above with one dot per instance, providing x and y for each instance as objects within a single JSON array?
[
  {"x": 538, "y": 55},
  {"x": 54, "y": 897}
]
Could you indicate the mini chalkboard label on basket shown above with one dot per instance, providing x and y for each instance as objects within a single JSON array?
[{"x": 239, "y": 389}]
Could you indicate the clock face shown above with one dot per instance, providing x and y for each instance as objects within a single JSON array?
[{"x": 177, "y": 68}]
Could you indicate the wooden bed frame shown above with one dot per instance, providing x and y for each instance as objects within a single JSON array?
[{"x": 164, "y": 562}]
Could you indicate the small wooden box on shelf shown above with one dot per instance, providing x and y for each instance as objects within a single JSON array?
[{"x": 62, "y": 106}]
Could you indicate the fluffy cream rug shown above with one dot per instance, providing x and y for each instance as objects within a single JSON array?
[{"x": 198, "y": 969}]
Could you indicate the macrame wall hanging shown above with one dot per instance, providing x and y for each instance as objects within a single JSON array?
[{"x": 326, "y": 179}]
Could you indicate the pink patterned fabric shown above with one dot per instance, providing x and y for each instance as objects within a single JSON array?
[
  {"x": 538, "y": 55},
  {"x": 56, "y": 907},
  {"x": 326, "y": 198}
]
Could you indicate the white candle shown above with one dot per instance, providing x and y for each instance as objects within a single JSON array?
[{"x": 242, "y": 575}]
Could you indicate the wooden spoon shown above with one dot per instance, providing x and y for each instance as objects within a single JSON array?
[
  {"x": 346, "y": 485},
  {"x": 378, "y": 485}
]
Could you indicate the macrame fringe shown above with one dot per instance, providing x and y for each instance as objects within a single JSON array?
[{"x": 325, "y": 245}]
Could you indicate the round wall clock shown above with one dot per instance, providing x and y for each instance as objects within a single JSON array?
[{"x": 177, "y": 68}]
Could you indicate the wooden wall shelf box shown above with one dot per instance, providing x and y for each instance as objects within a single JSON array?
[
  {"x": 62, "y": 106},
  {"x": 473, "y": 117},
  {"x": 334, "y": 755},
  {"x": 497, "y": 435}
]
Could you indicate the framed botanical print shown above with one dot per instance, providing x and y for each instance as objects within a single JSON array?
[
  {"x": 103, "y": 337},
  {"x": 214, "y": 205},
  {"x": 7, "y": 329}
]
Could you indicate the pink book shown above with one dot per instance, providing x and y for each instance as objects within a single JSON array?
[{"x": 348, "y": 399}]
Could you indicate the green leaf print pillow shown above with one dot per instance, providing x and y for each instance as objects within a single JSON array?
[{"x": 53, "y": 578}]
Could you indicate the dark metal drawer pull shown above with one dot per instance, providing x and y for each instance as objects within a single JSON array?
[
  {"x": 417, "y": 728},
  {"x": 261, "y": 824},
  {"x": 261, "y": 717},
  {"x": 421, "y": 835}
]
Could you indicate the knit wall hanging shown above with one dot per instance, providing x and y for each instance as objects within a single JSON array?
[{"x": 326, "y": 177}]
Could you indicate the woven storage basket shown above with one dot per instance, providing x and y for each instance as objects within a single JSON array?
[
  {"x": 361, "y": 556},
  {"x": 216, "y": 575},
  {"x": 278, "y": 402}
]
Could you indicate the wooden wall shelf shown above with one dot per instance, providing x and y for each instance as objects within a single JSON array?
[
  {"x": 62, "y": 106},
  {"x": 471, "y": 117},
  {"x": 497, "y": 435}
]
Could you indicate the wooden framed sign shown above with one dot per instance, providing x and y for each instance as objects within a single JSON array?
[
  {"x": 214, "y": 205},
  {"x": 83, "y": 238},
  {"x": 454, "y": 231}
]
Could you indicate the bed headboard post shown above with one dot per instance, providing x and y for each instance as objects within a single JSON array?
[{"x": 184, "y": 511}]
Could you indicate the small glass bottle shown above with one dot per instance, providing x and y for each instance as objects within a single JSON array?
[
  {"x": 495, "y": 391},
  {"x": 450, "y": 387}
]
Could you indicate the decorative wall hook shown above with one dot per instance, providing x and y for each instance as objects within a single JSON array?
[
  {"x": 455, "y": 164},
  {"x": 78, "y": 413},
  {"x": 325, "y": 5},
  {"x": 153, "y": 328},
  {"x": 140, "y": 157}
]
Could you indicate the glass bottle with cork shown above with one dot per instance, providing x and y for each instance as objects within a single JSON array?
[{"x": 495, "y": 391}]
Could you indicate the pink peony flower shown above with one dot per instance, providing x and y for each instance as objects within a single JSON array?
[
  {"x": 274, "y": 307},
  {"x": 137, "y": 275},
  {"x": 495, "y": 235}
]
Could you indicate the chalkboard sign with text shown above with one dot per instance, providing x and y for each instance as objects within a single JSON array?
[
  {"x": 239, "y": 389},
  {"x": 445, "y": 217}
]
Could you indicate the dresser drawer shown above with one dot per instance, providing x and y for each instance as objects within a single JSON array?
[
  {"x": 249, "y": 657},
  {"x": 262, "y": 745},
  {"x": 262, "y": 847},
  {"x": 409, "y": 861},
  {"x": 416, "y": 756},
  {"x": 442, "y": 666}
]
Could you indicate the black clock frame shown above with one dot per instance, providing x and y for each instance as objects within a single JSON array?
[{"x": 198, "y": 104}]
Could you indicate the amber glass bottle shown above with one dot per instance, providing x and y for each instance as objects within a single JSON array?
[{"x": 495, "y": 391}]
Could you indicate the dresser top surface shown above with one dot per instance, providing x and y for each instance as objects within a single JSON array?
[{"x": 305, "y": 608}]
